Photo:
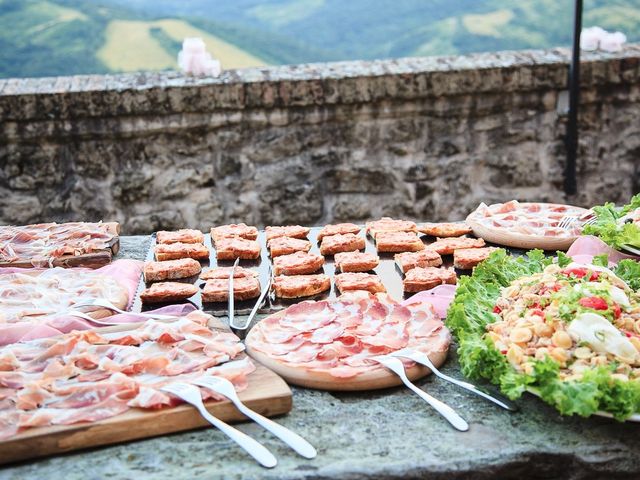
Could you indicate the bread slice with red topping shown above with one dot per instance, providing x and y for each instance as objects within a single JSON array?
[
  {"x": 184, "y": 235},
  {"x": 291, "y": 231},
  {"x": 286, "y": 245},
  {"x": 387, "y": 224},
  {"x": 445, "y": 230},
  {"x": 217, "y": 289},
  {"x": 467, "y": 258},
  {"x": 171, "y": 269},
  {"x": 230, "y": 248},
  {"x": 162, "y": 292},
  {"x": 241, "y": 230},
  {"x": 338, "y": 229},
  {"x": 225, "y": 272},
  {"x": 355, "y": 261},
  {"x": 398, "y": 242},
  {"x": 347, "y": 242},
  {"x": 174, "y": 251},
  {"x": 446, "y": 246},
  {"x": 359, "y": 281},
  {"x": 419, "y": 279},
  {"x": 424, "y": 258},
  {"x": 297, "y": 263},
  {"x": 297, "y": 286}
]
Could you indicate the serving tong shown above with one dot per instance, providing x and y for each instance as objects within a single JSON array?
[{"x": 242, "y": 328}]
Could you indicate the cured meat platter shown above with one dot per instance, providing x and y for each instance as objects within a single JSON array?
[
  {"x": 387, "y": 271},
  {"x": 266, "y": 393},
  {"x": 94, "y": 259},
  {"x": 525, "y": 225}
]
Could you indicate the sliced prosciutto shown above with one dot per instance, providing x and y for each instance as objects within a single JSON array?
[
  {"x": 34, "y": 302},
  {"x": 90, "y": 376},
  {"x": 339, "y": 336},
  {"x": 41, "y": 243},
  {"x": 535, "y": 219}
]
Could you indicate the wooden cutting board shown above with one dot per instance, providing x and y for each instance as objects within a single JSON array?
[
  {"x": 89, "y": 260},
  {"x": 267, "y": 394}
]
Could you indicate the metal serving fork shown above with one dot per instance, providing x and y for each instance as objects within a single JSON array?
[
  {"x": 225, "y": 387},
  {"x": 423, "y": 359},
  {"x": 586, "y": 218},
  {"x": 101, "y": 302},
  {"x": 442, "y": 408},
  {"x": 191, "y": 394}
]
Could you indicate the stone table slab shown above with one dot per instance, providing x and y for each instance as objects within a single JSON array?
[{"x": 382, "y": 434}]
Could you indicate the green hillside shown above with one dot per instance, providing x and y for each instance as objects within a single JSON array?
[
  {"x": 66, "y": 37},
  {"x": 60, "y": 37}
]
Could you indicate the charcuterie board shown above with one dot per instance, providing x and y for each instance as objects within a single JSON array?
[
  {"x": 267, "y": 394},
  {"x": 387, "y": 271},
  {"x": 504, "y": 236},
  {"x": 89, "y": 260}
]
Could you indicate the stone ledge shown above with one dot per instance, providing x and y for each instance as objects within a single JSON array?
[{"x": 307, "y": 85}]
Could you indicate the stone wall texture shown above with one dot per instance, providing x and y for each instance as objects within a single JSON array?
[{"x": 420, "y": 138}]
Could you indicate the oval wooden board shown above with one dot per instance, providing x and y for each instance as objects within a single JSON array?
[
  {"x": 377, "y": 379},
  {"x": 519, "y": 240}
]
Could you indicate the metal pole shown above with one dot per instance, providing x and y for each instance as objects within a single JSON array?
[{"x": 570, "y": 183}]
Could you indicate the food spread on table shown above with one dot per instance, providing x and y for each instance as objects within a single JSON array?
[{"x": 342, "y": 303}]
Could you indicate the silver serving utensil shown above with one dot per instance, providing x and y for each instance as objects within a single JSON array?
[
  {"x": 231, "y": 300},
  {"x": 101, "y": 302},
  {"x": 225, "y": 387},
  {"x": 396, "y": 366},
  {"x": 75, "y": 313},
  {"x": 423, "y": 359},
  {"x": 254, "y": 310},
  {"x": 631, "y": 249},
  {"x": 191, "y": 394}
]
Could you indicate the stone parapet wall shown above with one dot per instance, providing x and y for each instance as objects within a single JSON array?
[{"x": 421, "y": 138}]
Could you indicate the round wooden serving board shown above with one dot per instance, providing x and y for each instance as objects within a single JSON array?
[
  {"x": 374, "y": 380},
  {"x": 499, "y": 236}
]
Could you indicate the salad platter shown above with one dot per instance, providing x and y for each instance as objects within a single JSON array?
[{"x": 564, "y": 331}]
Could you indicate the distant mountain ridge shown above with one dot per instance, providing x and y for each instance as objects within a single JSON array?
[{"x": 61, "y": 37}]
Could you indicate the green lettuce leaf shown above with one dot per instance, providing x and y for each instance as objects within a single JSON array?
[
  {"x": 472, "y": 310},
  {"x": 607, "y": 228},
  {"x": 629, "y": 271}
]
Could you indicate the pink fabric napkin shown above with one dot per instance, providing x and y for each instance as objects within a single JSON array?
[
  {"x": 126, "y": 272},
  {"x": 439, "y": 297},
  {"x": 586, "y": 247},
  {"x": 20, "y": 332}
]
